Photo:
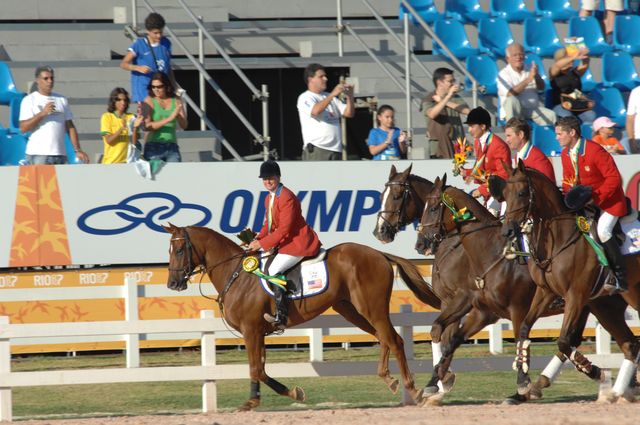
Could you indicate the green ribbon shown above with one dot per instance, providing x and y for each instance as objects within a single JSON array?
[
  {"x": 278, "y": 279},
  {"x": 602, "y": 258},
  {"x": 458, "y": 215}
]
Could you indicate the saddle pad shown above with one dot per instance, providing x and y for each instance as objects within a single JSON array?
[
  {"x": 631, "y": 230},
  {"x": 315, "y": 280}
]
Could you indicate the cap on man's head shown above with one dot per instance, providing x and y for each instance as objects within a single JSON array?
[
  {"x": 602, "y": 122},
  {"x": 269, "y": 168},
  {"x": 479, "y": 115}
]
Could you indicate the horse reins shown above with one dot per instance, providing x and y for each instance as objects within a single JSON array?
[{"x": 408, "y": 190}]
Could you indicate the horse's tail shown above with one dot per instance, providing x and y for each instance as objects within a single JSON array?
[{"x": 412, "y": 277}]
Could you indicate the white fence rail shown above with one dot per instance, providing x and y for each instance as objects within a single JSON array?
[{"x": 209, "y": 372}]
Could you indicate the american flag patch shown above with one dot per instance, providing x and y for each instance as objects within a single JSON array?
[{"x": 315, "y": 283}]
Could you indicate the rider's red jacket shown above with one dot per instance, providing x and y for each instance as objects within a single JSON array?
[
  {"x": 536, "y": 159},
  {"x": 489, "y": 161}
]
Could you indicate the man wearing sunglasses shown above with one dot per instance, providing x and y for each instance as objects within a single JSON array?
[{"x": 47, "y": 116}]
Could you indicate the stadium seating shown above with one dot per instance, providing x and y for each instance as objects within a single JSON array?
[
  {"x": 511, "y": 10},
  {"x": 494, "y": 36},
  {"x": 586, "y": 130},
  {"x": 453, "y": 35},
  {"x": 485, "y": 70},
  {"x": 544, "y": 137},
  {"x": 619, "y": 71},
  {"x": 557, "y": 10},
  {"x": 467, "y": 11},
  {"x": 12, "y": 147},
  {"x": 588, "y": 83},
  {"x": 425, "y": 8},
  {"x": 609, "y": 102},
  {"x": 8, "y": 89},
  {"x": 14, "y": 119},
  {"x": 589, "y": 29},
  {"x": 625, "y": 37},
  {"x": 540, "y": 37},
  {"x": 530, "y": 57}
]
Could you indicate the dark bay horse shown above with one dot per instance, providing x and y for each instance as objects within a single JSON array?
[
  {"x": 403, "y": 201},
  {"x": 361, "y": 281},
  {"x": 562, "y": 261}
]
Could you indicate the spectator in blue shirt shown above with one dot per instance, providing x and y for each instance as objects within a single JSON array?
[
  {"x": 386, "y": 142},
  {"x": 148, "y": 55}
]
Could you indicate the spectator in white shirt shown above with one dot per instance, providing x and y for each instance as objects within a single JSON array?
[
  {"x": 633, "y": 121},
  {"x": 518, "y": 87}
]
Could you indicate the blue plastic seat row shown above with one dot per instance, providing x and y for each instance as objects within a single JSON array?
[{"x": 470, "y": 11}]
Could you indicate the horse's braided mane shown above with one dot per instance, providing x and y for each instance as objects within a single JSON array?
[
  {"x": 472, "y": 204},
  {"x": 542, "y": 182},
  {"x": 213, "y": 234},
  {"x": 419, "y": 179}
]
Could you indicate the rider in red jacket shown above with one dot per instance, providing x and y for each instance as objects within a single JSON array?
[
  {"x": 586, "y": 163},
  {"x": 285, "y": 232},
  {"x": 517, "y": 132}
]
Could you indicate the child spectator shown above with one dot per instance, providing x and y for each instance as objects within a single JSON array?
[
  {"x": 603, "y": 135},
  {"x": 387, "y": 141}
]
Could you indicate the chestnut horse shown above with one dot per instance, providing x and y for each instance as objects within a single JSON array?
[
  {"x": 403, "y": 201},
  {"x": 361, "y": 281},
  {"x": 563, "y": 261}
]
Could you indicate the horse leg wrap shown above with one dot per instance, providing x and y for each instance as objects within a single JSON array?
[
  {"x": 553, "y": 368},
  {"x": 437, "y": 352},
  {"x": 255, "y": 390},
  {"x": 523, "y": 352},
  {"x": 583, "y": 365},
  {"x": 627, "y": 370},
  {"x": 277, "y": 386}
]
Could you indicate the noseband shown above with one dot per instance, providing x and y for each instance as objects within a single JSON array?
[
  {"x": 188, "y": 268},
  {"x": 400, "y": 212},
  {"x": 441, "y": 233}
]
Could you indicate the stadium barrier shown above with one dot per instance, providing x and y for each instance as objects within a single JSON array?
[{"x": 209, "y": 372}]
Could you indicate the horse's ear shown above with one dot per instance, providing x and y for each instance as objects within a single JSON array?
[
  {"x": 408, "y": 170},
  {"x": 436, "y": 182},
  {"x": 521, "y": 165},
  {"x": 444, "y": 180},
  {"x": 170, "y": 228},
  {"x": 507, "y": 167},
  {"x": 393, "y": 172},
  {"x": 406, "y": 173},
  {"x": 496, "y": 186}
]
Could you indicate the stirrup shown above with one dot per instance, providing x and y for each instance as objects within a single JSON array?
[
  {"x": 274, "y": 320},
  {"x": 615, "y": 289}
]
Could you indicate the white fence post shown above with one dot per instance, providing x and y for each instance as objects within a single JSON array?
[
  {"x": 131, "y": 314},
  {"x": 406, "y": 332},
  {"x": 495, "y": 338},
  {"x": 316, "y": 353},
  {"x": 5, "y": 367},
  {"x": 208, "y": 348}
]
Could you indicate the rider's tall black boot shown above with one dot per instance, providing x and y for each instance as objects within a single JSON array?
[
  {"x": 282, "y": 310},
  {"x": 616, "y": 263}
]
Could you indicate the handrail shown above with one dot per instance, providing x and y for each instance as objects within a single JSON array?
[
  {"x": 366, "y": 48},
  {"x": 457, "y": 63},
  {"x": 257, "y": 136}
]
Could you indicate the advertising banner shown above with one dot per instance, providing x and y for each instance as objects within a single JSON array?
[{"x": 108, "y": 214}]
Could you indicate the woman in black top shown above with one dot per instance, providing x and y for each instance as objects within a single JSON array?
[{"x": 565, "y": 79}]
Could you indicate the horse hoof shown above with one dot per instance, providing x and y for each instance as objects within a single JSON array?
[
  {"x": 428, "y": 391},
  {"x": 431, "y": 399},
  {"x": 607, "y": 396},
  {"x": 250, "y": 404},
  {"x": 514, "y": 400},
  {"x": 393, "y": 385},
  {"x": 535, "y": 393},
  {"x": 448, "y": 381},
  {"x": 298, "y": 394},
  {"x": 525, "y": 389}
]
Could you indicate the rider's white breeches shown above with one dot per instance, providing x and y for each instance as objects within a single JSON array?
[
  {"x": 281, "y": 263},
  {"x": 606, "y": 222}
]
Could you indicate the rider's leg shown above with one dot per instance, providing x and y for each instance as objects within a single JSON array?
[
  {"x": 606, "y": 222},
  {"x": 280, "y": 263}
]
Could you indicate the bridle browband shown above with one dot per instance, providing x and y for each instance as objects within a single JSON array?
[{"x": 408, "y": 190}]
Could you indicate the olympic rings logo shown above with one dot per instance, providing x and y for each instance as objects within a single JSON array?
[{"x": 135, "y": 215}]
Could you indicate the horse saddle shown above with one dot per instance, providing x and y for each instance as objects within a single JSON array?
[
  {"x": 626, "y": 230},
  {"x": 307, "y": 278}
]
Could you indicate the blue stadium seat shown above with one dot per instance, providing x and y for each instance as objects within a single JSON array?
[
  {"x": 494, "y": 36},
  {"x": 619, "y": 71},
  {"x": 511, "y": 10},
  {"x": 71, "y": 153},
  {"x": 609, "y": 103},
  {"x": 12, "y": 147},
  {"x": 14, "y": 119},
  {"x": 588, "y": 83},
  {"x": 557, "y": 10},
  {"x": 530, "y": 57},
  {"x": 625, "y": 37},
  {"x": 544, "y": 137},
  {"x": 453, "y": 36},
  {"x": 586, "y": 130},
  {"x": 425, "y": 8},
  {"x": 8, "y": 89},
  {"x": 589, "y": 29},
  {"x": 485, "y": 70},
  {"x": 467, "y": 11},
  {"x": 540, "y": 37}
]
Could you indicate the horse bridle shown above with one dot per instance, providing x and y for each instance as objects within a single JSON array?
[
  {"x": 188, "y": 268},
  {"x": 437, "y": 237},
  {"x": 408, "y": 191}
]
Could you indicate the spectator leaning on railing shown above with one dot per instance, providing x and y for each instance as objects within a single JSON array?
[{"x": 48, "y": 117}]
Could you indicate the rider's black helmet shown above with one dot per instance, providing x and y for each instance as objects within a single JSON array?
[
  {"x": 269, "y": 168},
  {"x": 479, "y": 115}
]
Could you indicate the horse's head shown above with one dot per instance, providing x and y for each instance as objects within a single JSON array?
[
  {"x": 518, "y": 192},
  {"x": 182, "y": 257},
  {"x": 435, "y": 223},
  {"x": 398, "y": 205}
]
